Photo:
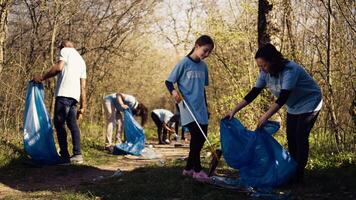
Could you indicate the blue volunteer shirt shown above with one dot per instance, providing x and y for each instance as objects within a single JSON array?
[
  {"x": 129, "y": 100},
  {"x": 191, "y": 78},
  {"x": 305, "y": 93}
]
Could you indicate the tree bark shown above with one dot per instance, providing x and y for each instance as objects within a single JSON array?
[
  {"x": 264, "y": 7},
  {"x": 4, "y": 6}
]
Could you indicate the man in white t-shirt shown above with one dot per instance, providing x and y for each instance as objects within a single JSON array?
[{"x": 70, "y": 89}]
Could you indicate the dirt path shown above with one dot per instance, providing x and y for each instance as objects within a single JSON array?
[{"x": 56, "y": 178}]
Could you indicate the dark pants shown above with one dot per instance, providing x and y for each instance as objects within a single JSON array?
[
  {"x": 65, "y": 111},
  {"x": 176, "y": 128},
  {"x": 161, "y": 132},
  {"x": 298, "y": 130},
  {"x": 196, "y": 144}
]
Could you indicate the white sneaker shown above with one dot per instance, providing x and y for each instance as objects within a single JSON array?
[{"x": 77, "y": 159}]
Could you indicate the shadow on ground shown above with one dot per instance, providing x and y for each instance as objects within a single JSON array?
[
  {"x": 167, "y": 183},
  {"x": 21, "y": 176},
  {"x": 157, "y": 181}
]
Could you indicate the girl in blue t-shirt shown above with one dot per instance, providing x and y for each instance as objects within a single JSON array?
[
  {"x": 292, "y": 86},
  {"x": 191, "y": 77}
]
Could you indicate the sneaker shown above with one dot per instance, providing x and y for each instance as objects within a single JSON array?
[
  {"x": 201, "y": 176},
  {"x": 188, "y": 173},
  {"x": 175, "y": 137},
  {"x": 77, "y": 159},
  {"x": 166, "y": 141},
  {"x": 110, "y": 149}
]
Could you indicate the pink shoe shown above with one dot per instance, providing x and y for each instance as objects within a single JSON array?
[
  {"x": 188, "y": 173},
  {"x": 201, "y": 176}
]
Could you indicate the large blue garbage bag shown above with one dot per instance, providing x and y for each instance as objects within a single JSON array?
[
  {"x": 38, "y": 133},
  {"x": 261, "y": 160},
  {"x": 134, "y": 135}
]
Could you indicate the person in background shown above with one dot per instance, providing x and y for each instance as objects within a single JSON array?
[
  {"x": 293, "y": 86},
  {"x": 114, "y": 104},
  {"x": 165, "y": 122},
  {"x": 70, "y": 89},
  {"x": 184, "y": 130},
  {"x": 191, "y": 77}
]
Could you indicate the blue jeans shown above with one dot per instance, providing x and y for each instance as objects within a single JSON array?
[{"x": 65, "y": 111}]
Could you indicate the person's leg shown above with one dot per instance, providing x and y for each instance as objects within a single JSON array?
[
  {"x": 60, "y": 113},
  {"x": 306, "y": 123},
  {"x": 182, "y": 133},
  {"x": 158, "y": 123},
  {"x": 196, "y": 144},
  {"x": 292, "y": 123},
  {"x": 199, "y": 146},
  {"x": 110, "y": 119},
  {"x": 120, "y": 123},
  {"x": 176, "y": 128},
  {"x": 73, "y": 127}
]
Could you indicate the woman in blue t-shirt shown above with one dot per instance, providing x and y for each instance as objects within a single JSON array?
[
  {"x": 292, "y": 86},
  {"x": 191, "y": 77}
]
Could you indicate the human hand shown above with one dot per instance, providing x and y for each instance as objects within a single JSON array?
[
  {"x": 80, "y": 113},
  {"x": 176, "y": 96},
  {"x": 230, "y": 114},
  {"x": 125, "y": 106},
  {"x": 261, "y": 122},
  {"x": 37, "y": 79}
]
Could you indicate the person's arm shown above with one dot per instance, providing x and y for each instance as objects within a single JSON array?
[
  {"x": 206, "y": 103},
  {"x": 168, "y": 128},
  {"x": 282, "y": 99},
  {"x": 173, "y": 91},
  {"x": 120, "y": 99},
  {"x": 83, "y": 99},
  {"x": 54, "y": 70},
  {"x": 254, "y": 92},
  {"x": 237, "y": 108}
]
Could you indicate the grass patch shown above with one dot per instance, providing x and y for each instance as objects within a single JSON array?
[{"x": 329, "y": 175}]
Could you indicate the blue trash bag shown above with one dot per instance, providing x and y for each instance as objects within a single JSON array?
[
  {"x": 134, "y": 135},
  {"x": 38, "y": 133},
  {"x": 261, "y": 160}
]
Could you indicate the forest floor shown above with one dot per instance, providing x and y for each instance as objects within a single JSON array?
[{"x": 150, "y": 179}]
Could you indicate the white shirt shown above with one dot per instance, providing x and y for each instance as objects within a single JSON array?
[
  {"x": 163, "y": 114},
  {"x": 68, "y": 83}
]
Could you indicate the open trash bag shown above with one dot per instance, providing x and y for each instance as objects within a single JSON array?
[
  {"x": 134, "y": 135},
  {"x": 261, "y": 160},
  {"x": 38, "y": 133}
]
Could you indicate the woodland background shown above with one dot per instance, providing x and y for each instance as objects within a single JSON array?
[{"x": 131, "y": 46}]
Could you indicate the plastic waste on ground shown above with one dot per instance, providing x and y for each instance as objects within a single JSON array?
[
  {"x": 255, "y": 193},
  {"x": 261, "y": 160},
  {"x": 38, "y": 133},
  {"x": 149, "y": 153},
  {"x": 135, "y": 137},
  {"x": 116, "y": 174}
]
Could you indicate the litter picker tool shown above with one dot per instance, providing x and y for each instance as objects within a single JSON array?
[{"x": 217, "y": 153}]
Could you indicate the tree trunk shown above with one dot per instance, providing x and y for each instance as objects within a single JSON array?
[
  {"x": 288, "y": 21},
  {"x": 4, "y": 6},
  {"x": 264, "y": 7},
  {"x": 331, "y": 106}
]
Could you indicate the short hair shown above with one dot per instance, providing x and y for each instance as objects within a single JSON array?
[{"x": 65, "y": 43}]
